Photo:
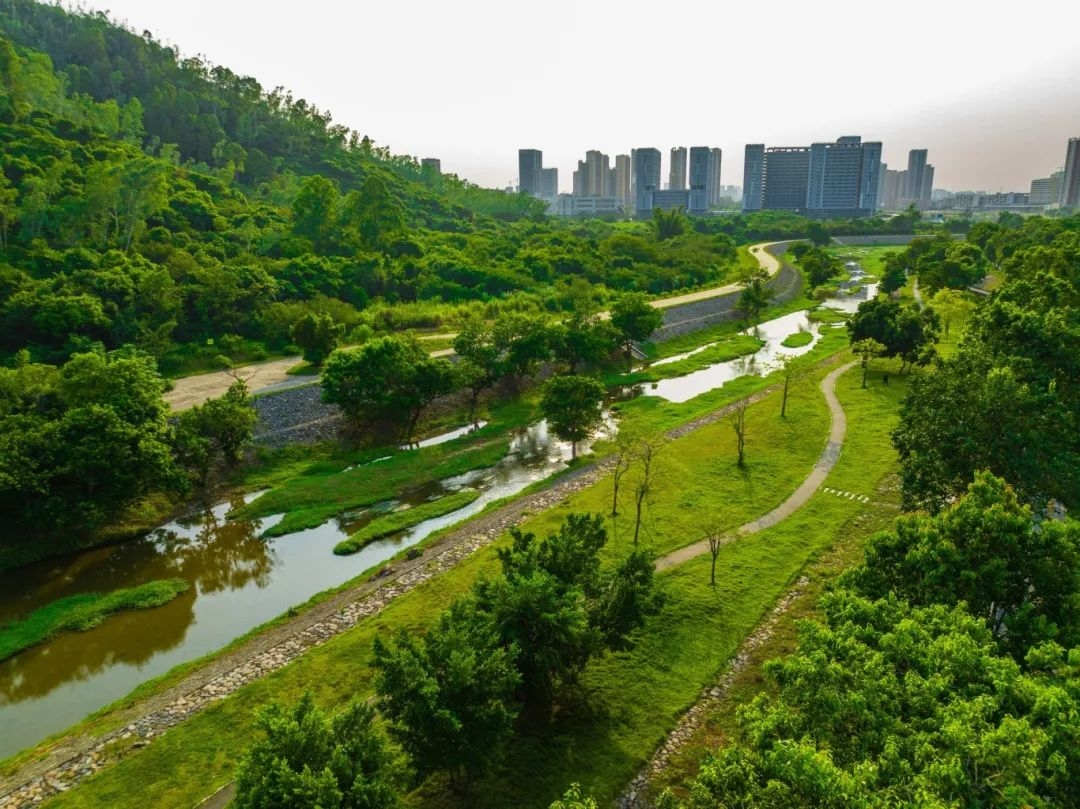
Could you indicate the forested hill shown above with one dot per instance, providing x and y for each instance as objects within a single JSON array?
[{"x": 222, "y": 121}]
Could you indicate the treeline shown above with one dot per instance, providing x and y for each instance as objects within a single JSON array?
[{"x": 944, "y": 670}]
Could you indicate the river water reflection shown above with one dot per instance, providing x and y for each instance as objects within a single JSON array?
[{"x": 239, "y": 580}]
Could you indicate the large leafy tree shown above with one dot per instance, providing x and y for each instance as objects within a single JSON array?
[
  {"x": 449, "y": 694},
  {"x": 1020, "y": 576},
  {"x": 572, "y": 406},
  {"x": 634, "y": 319},
  {"x": 387, "y": 380},
  {"x": 317, "y": 335},
  {"x": 308, "y": 761},
  {"x": 904, "y": 331}
]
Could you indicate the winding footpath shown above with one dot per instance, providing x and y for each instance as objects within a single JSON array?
[{"x": 829, "y": 456}]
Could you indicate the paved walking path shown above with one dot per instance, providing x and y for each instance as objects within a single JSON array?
[{"x": 829, "y": 456}]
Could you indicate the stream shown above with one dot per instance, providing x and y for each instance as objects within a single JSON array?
[{"x": 240, "y": 580}]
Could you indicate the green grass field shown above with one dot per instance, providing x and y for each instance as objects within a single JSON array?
[
  {"x": 798, "y": 339},
  {"x": 871, "y": 257},
  {"x": 727, "y": 348},
  {"x": 626, "y": 702},
  {"x": 84, "y": 611}
]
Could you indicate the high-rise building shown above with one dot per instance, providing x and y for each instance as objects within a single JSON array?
[
  {"x": 700, "y": 179},
  {"x": 669, "y": 199},
  {"x": 892, "y": 185},
  {"x": 677, "y": 169},
  {"x": 549, "y": 184},
  {"x": 713, "y": 185},
  {"x": 754, "y": 177},
  {"x": 787, "y": 178},
  {"x": 645, "y": 179},
  {"x": 530, "y": 162},
  {"x": 622, "y": 179},
  {"x": 919, "y": 182},
  {"x": 1070, "y": 181},
  {"x": 840, "y": 178},
  {"x": 593, "y": 176}
]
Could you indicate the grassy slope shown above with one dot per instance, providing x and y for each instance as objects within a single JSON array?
[
  {"x": 400, "y": 520},
  {"x": 84, "y": 611},
  {"x": 634, "y": 696}
]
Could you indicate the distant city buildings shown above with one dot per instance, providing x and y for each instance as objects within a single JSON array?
[
  {"x": 841, "y": 178},
  {"x": 677, "y": 169},
  {"x": 623, "y": 179},
  {"x": 549, "y": 185},
  {"x": 668, "y": 199},
  {"x": 594, "y": 177},
  {"x": 645, "y": 179},
  {"x": 1069, "y": 196},
  {"x": 571, "y": 205},
  {"x": 530, "y": 163}
]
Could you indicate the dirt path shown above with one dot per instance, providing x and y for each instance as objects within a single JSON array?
[{"x": 829, "y": 456}]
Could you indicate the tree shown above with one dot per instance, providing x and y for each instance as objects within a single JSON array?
[
  {"x": 715, "y": 538},
  {"x": 819, "y": 266},
  {"x": 1020, "y": 576},
  {"x": 669, "y": 224},
  {"x": 450, "y": 694},
  {"x": 314, "y": 210},
  {"x": 793, "y": 372},
  {"x": 481, "y": 360},
  {"x": 623, "y": 460},
  {"x": 818, "y": 234},
  {"x": 307, "y": 760},
  {"x": 952, "y": 306},
  {"x": 648, "y": 450},
  {"x": 316, "y": 335},
  {"x": 737, "y": 419},
  {"x": 525, "y": 341},
  {"x": 572, "y": 407},
  {"x": 634, "y": 319},
  {"x": 866, "y": 350},
  {"x": 627, "y": 598},
  {"x": 582, "y": 339},
  {"x": 951, "y": 264},
  {"x": 389, "y": 379},
  {"x": 894, "y": 274},
  {"x": 219, "y": 429},
  {"x": 755, "y": 296},
  {"x": 886, "y": 704},
  {"x": 903, "y": 331}
]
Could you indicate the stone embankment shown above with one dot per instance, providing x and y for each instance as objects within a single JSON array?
[
  {"x": 637, "y": 794},
  {"x": 295, "y": 415}
]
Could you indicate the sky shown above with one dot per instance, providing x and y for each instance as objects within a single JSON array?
[{"x": 991, "y": 90}]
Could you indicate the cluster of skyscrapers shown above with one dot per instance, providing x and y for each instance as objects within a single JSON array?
[
  {"x": 631, "y": 185},
  {"x": 844, "y": 177}
]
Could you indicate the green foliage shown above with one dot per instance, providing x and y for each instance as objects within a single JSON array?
[
  {"x": 388, "y": 380},
  {"x": 634, "y": 319},
  {"x": 866, "y": 349},
  {"x": 571, "y": 404},
  {"x": 1021, "y": 577},
  {"x": 820, "y": 266},
  {"x": 400, "y": 520},
  {"x": 218, "y": 430},
  {"x": 798, "y": 339},
  {"x": 755, "y": 295},
  {"x": 573, "y": 799},
  {"x": 669, "y": 224},
  {"x": 317, "y": 336},
  {"x": 84, "y": 611},
  {"x": 1009, "y": 399},
  {"x": 449, "y": 694},
  {"x": 80, "y": 444},
  {"x": 307, "y": 760},
  {"x": 904, "y": 331}
]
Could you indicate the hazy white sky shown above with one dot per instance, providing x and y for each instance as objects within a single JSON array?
[{"x": 992, "y": 89}]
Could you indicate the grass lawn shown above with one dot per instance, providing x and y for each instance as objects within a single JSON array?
[
  {"x": 870, "y": 257},
  {"x": 627, "y": 702},
  {"x": 798, "y": 339},
  {"x": 400, "y": 520},
  {"x": 84, "y": 611}
]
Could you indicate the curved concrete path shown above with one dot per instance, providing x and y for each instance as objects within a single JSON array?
[{"x": 829, "y": 456}]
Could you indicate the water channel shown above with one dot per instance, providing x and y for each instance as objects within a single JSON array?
[{"x": 240, "y": 579}]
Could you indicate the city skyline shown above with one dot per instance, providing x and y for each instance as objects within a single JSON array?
[{"x": 994, "y": 125}]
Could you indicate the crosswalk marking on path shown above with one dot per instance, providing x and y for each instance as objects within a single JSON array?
[{"x": 862, "y": 498}]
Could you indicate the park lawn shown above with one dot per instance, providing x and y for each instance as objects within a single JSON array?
[
  {"x": 867, "y": 466},
  {"x": 635, "y": 696},
  {"x": 870, "y": 257},
  {"x": 400, "y": 520},
  {"x": 697, "y": 484},
  {"x": 83, "y": 611},
  {"x": 311, "y": 492}
]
